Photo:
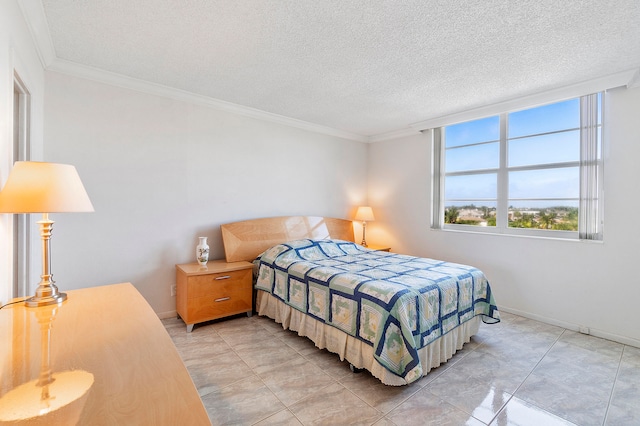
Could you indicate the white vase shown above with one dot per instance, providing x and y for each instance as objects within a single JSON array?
[{"x": 202, "y": 251}]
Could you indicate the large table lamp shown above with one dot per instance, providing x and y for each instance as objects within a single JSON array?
[
  {"x": 38, "y": 187},
  {"x": 365, "y": 214}
]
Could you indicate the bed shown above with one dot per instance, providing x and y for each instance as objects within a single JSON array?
[{"x": 395, "y": 315}]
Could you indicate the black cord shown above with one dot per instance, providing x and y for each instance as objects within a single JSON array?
[{"x": 12, "y": 303}]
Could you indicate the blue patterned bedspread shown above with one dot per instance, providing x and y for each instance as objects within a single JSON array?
[{"x": 395, "y": 303}]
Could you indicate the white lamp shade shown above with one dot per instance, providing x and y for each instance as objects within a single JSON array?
[
  {"x": 38, "y": 187},
  {"x": 364, "y": 214}
]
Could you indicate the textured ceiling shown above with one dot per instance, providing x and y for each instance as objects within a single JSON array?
[{"x": 367, "y": 67}]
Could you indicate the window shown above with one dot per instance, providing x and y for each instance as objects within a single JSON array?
[{"x": 529, "y": 172}]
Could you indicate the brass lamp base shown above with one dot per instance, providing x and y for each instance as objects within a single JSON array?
[
  {"x": 54, "y": 299},
  {"x": 364, "y": 229},
  {"x": 47, "y": 292}
]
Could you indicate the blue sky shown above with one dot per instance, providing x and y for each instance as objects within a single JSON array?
[{"x": 529, "y": 150}]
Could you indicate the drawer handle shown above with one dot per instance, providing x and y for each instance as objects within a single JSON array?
[
  {"x": 222, "y": 299},
  {"x": 224, "y": 277}
]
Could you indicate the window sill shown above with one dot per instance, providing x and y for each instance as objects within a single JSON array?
[{"x": 539, "y": 235}]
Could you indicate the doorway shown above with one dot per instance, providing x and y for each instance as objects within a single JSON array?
[{"x": 21, "y": 152}]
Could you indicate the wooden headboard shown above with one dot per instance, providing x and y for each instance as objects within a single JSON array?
[{"x": 247, "y": 239}]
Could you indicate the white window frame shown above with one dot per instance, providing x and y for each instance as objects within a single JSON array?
[{"x": 590, "y": 164}]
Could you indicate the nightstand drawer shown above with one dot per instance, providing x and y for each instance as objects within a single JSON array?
[
  {"x": 219, "y": 285},
  {"x": 217, "y": 306}
]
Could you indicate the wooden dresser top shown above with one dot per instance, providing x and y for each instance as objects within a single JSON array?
[{"x": 112, "y": 360}]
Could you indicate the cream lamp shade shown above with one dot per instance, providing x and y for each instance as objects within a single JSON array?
[
  {"x": 365, "y": 214},
  {"x": 37, "y": 187}
]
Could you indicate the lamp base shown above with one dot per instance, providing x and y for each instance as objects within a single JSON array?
[
  {"x": 54, "y": 299},
  {"x": 364, "y": 229}
]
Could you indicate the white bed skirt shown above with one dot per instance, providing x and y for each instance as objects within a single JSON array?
[{"x": 358, "y": 353}]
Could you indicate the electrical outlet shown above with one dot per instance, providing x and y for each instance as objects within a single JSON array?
[{"x": 173, "y": 290}]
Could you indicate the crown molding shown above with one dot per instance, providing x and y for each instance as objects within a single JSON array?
[
  {"x": 629, "y": 79},
  {"x": 119, "y": 80},
  {"x": 625, "y": 78},
  {"x": 634, "y": 81},
  {"x": 396, "y": 134},
  {"x": 36, "y": 20}
]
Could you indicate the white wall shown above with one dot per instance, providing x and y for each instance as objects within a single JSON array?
[
  {"x": 162, "y": 172},
  {"x": 568, "y": 283},
  {"x": 17, "y": 55}
]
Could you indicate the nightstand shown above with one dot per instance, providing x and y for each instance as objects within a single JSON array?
[
  {"x": 217, "y": 290},
  {"x": 378, "y": 248}
]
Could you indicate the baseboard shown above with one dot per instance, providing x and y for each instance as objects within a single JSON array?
[
  {"x": 169, "y": 314},
  {"x": 575, "y": 327},
  {"x": 551, "y": 321}
]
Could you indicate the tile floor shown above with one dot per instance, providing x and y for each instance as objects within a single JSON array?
[{"x": 249, "y": 371}]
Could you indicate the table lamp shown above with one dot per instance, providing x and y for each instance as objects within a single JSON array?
[
  {"x": 38, "y": 187},
  {"x": 365, "y": 214}
]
